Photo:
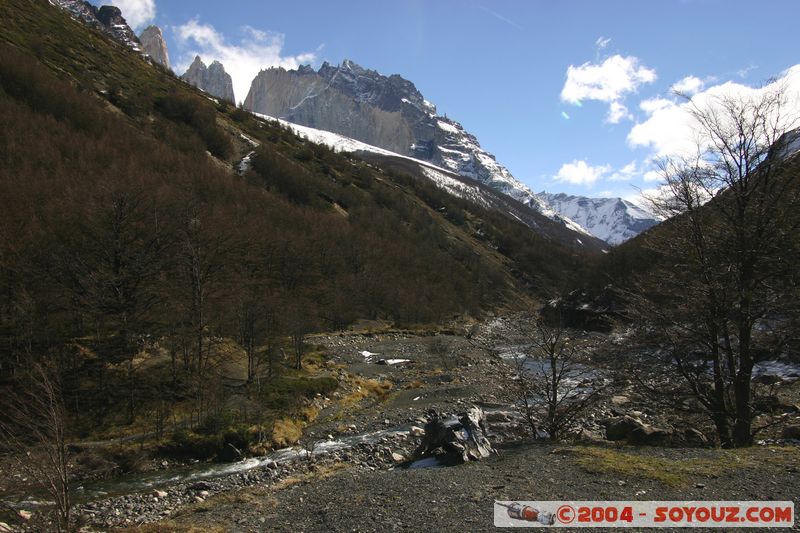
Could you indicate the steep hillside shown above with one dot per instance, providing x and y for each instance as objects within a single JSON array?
[
  {"x": 384, "y": 111},
  {"x": 315, "y": 213},
  {"x": 559, "y": 230}
]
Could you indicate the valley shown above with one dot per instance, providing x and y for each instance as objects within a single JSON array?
[{"x": 328, "y": 307}]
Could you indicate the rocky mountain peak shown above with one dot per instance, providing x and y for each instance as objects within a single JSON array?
[
  {"x": 613, "y": 220},
  {"x": 384, "y": 111},
  {"x": 212, "y": 79},
  {"x": 107, "y": 19},
  {"x": 154, "y": 45}
]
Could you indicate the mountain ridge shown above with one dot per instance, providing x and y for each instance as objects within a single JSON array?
[
  {"x": 613, "y": 220},
  {"x": 384, "y": 111}
]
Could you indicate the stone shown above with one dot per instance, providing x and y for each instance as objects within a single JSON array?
[
  {"x": 416, "y": 431},
  {"x": 200, "y": 485},
  {"x": 620, "y": 427},
  {"x": 649, "y": 435},
  {"x": 694, "y": 437},
  {"x": 160, "y": 494},
  {"x": 397, "y": 458},
  {"x": 456, "y": 443},
  {"x": 791, "y": 432},
  {"x": 25, "y": 515},
  {"x": 5, "y": 528}
]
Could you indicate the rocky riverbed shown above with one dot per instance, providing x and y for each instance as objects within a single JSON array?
[{"x": 356, "y": 477}]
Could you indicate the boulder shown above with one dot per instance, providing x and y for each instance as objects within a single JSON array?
[
  {"x": 791, "y": 432},
  {"x": 455, "y": 443},
  {"x": 694, "y": 437},
  {"x": 620, "y": 427},
  {"x": 649, "y": 435}
]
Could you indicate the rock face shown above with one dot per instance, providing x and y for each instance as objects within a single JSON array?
[
  {"x": 107, "y": 19},
  {"x": 384, "y": 111},
  {"x": 154, "y": 45},
  {"x": 212, "y": 79},
  {"x": 455, "y": 443},
  {"x": 613, "y": 220}
]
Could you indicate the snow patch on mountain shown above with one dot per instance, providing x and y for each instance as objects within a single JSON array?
[{"x": 613, "y": 220}]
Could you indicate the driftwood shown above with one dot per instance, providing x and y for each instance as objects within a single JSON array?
[{"x": 456, "y": 442}]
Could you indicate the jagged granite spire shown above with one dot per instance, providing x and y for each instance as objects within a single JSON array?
[
  {"x": 154, "y": 45},
  {"x": 212, "y": 79}
]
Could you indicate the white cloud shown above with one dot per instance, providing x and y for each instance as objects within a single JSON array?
[
  {"x": 602, "y": 42},
  {"x": 580, "y": 173},
  {"x": 651, "y": 176},
  {"x": 609, "y": 81},
  {"x": 688, "y": 86},
  {"x": 651, "y": 105},
  {"x": 670, "y": 130},
  {"x": 616, "y": 112},
  {"x": 626, "y": 173},
  {"x": 137, "y": 13},
  {"x": 743, "y": 72},
  {"x": 255, "y": 50}
]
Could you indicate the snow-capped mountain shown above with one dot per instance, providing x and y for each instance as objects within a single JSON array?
[
  {"x": 613, "y": 220},
  {"x": 387, "y": 112}
]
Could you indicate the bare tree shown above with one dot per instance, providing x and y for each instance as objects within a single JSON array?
[
  {"x": 551, "y": 387},
  {"x": 440, "y": 347},
  {"x": 728, "y": 252},
  {"x": 34, "y": 419}
]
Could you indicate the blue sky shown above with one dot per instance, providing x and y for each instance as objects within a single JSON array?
[{"x": 554, "y": 88}]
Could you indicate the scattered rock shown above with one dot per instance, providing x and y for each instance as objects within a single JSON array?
[
  {"x": 25, "y": 515},
  {"x": 618, "y": 401},
  {"x": 416, "y": 431},
  {"x": 200, "y": 485},
  {"x": 160, "y": 494},
  {"x": 397, "y": 458}
]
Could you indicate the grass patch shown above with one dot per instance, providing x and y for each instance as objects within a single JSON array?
[
  {"x": 364, "y": 388},
  {"x": 170, "y": 526},
  {"x": 286, "y": 432},
  {"x": 682, "y": 472}
]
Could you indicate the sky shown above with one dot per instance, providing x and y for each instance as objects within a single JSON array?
[{"x": 571, "y": 96}]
